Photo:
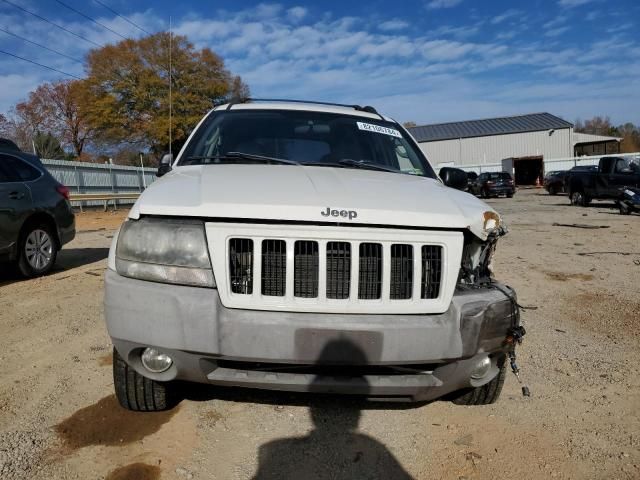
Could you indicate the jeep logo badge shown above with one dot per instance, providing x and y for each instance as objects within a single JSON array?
[{"x": 350, "y": 214}]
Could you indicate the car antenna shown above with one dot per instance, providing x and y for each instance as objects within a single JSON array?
[{"x": 170, "y": 99}]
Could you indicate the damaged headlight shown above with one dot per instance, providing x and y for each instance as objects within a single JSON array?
[
  {"x": 166, "y": 251},
  {"x": 477, "y": 254},
  {"x": 491, "y": 221}
]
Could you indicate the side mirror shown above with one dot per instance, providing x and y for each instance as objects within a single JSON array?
[
  {"x": 454, "y": 178},
  {"x": 165, "y": 165}
]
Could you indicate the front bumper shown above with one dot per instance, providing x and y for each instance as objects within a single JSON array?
[
  {"x": 417, "y": 357},
  {"x": 506, "y": 190}
]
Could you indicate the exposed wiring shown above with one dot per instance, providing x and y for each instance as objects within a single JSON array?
[
  {"x": 39, "y": 45},
  {"x": 91, "y": 19},
  {"x": 41, "y": 65},
  {"x": 52, "y": 23}
]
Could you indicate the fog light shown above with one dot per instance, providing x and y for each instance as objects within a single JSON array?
[
  {"x": 481, "y": 368},
  {"x": 155, "y": 361}
]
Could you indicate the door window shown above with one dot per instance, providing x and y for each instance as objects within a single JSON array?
[
  {"x": 15, "y": 170},
  {"x": 3, "y": 176}
]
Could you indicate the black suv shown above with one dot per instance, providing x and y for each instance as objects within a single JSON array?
[
  {"x": 36, "y": 218},
  {"x": 493, "y": 184}
]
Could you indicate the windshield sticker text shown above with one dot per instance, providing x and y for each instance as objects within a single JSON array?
[{"x": 369, "y": 127}]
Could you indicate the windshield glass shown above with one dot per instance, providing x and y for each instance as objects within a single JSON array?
[
  {"x": 499, "y": 176},
  {"x": 628, "y": 164},
  {"x": 308, "y": 138}
]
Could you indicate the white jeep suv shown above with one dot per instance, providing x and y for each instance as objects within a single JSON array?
[{"x": 307, "y": 247}]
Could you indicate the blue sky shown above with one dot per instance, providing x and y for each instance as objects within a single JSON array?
[{"x": 422, "y": 60}]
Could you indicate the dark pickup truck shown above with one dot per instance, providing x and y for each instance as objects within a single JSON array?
[{"x": 608, "y": 182}]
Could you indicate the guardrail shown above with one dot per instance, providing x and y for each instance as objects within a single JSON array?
[
  {"x": 82, "y": 198},
  {"x": 102, "y": 179}
]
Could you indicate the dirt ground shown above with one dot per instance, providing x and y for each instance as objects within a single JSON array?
[{"x": 59, "y": 418}]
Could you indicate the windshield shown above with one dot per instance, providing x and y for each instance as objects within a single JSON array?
[
  {"x": 628, "y": 164},
  {"x": 499, "y": 176},
  {"x": 309, "y": 138}
]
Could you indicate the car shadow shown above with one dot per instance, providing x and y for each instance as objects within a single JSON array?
[
  {"x": 68, "y": 259},
  {"x": 590, "y": 206},
  {"x": 198, "y": 392}
]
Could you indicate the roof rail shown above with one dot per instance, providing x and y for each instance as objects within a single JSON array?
[{"x": 366, "y": 108}]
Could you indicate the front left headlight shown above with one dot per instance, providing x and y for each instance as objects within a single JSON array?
[{"x": 166, "y": 251}]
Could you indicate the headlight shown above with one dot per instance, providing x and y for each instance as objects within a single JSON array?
[
  {"x": 167, "y": 251},
  {"x": 491, "y": 221}
]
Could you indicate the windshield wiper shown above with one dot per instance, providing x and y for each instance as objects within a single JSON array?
[
  {"x": 243, "y": 156},
  {"x": 349, "y": 162}
]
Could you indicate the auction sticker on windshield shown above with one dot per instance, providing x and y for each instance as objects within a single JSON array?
[{"x": 369, "y": 127}]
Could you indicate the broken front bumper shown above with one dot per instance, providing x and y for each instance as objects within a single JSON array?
[{"x": 417, "y": 357}]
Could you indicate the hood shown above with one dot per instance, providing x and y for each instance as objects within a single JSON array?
[{"x": 311, "y": 194}]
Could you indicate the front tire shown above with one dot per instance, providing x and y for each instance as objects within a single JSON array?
[
  {"x": 553, "y": 190},
  {"x": 38, "y": 250},
  {"x": 624, "y": 210},
  {"x": 579, "y": 199},
  {"x": 488, "y": 393},
  {"x": 138, "y": 393}
]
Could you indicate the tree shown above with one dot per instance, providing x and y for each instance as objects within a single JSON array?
[
  {"x": 596, "y": 126},
  {"x": 48, "y": 146},
  {"x": 128, "y": 87},
  {"x": 17, "y": 127},
  {"x": 59, "y": 108},
  {"x": 409, "y": 124},
  {"x": 630, "y": 134}
]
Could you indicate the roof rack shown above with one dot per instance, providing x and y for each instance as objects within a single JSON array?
[{"x": 366, "y": 108}]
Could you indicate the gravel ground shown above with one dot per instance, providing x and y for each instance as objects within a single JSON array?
[{"x": 59, "y": 419}]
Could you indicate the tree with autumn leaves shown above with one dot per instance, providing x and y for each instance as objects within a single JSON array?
[{"x": 123, "y": 103}]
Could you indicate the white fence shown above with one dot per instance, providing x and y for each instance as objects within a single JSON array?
[{"x": 96, "y": 178}]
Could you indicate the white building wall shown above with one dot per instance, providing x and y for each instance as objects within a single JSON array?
[{"x": 492, "y": 149}]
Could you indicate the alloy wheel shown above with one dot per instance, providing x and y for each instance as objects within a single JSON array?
[{"x": 38, "y": 249}]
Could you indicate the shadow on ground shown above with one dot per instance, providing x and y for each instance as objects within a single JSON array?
[{"x": 68, "y": 259}]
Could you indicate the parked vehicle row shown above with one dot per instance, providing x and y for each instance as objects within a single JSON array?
[
  {"x": 36, "y": 218},
  {"x": 612, "y": 176},
  {"x": 490, "y": 184},
  {"x": 555, "y": 182}
]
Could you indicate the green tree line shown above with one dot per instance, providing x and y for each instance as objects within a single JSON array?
[{"x": 121, "y": 107}]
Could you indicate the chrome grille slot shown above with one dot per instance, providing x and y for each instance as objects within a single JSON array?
[
  {"x": 370, "y": 272},
  {"x": 306, "y": 269},
  {"x": 338, "y": 269},
  {"x": 401, "y": 272},
  {"x": 274, "y": 267},
  {"x": 241, "y": 265},
  {"x": 431, "y": 271}
]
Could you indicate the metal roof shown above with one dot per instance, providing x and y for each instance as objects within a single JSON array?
[{"x": 533, "y": 122}]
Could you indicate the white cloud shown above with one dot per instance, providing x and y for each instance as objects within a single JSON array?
[
  {"x": 591, "y": 16},
  {"x": 505, "y": 16},
  {"x": 573, "y": 3},
  {"x": 555, "y": 22},
  {"x": 394, "y": 24},
  {"x": 296, "y": 14},
  {"x": 432, "y": 75},
  {"x": 456, "y": 32},
  {"x": 556, "y": 32},
  {"x": 267, "y": 10},
  {"x": 436, "y": 4}
]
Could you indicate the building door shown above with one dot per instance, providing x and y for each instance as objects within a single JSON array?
[{"x": 527, "y": 170}]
